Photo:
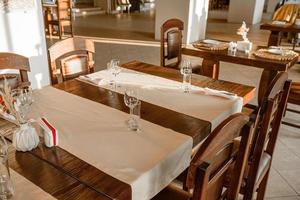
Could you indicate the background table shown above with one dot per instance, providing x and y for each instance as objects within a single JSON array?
[
  {"x": 276, "y": 30},
  {"x": 212, "y": 59},
  {"x": 65, "y": 176}
]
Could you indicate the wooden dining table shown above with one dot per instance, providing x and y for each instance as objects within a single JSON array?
[
  {"x": 65, "y": 176},
  {"x": 211, "y": 64},
  {"x": 277, "y": 29}
]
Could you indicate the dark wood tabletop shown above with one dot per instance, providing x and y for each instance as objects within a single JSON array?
[
  {"x": 292, "y": 28},
  {"x": 65, "y": 176},
  {"x": 240, "y": 58}
]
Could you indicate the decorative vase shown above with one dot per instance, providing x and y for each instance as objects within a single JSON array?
[{"x": 25, "y": 138}]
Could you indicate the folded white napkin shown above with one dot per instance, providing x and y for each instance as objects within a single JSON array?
[
  {"x": 96, "y": 81},
  {"x": 279, "y": 22},
  {"x": 212, "y": 92}
]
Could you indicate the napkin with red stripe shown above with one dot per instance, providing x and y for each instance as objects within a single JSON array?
[{"x": 50, "y": 132}]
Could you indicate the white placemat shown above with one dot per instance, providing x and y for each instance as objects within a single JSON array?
[
  {"x": 148, "y": 160},
  {"x": 168, "y": 93}
]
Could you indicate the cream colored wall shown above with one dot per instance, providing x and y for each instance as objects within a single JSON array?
[
  {"x": 101, "y": 3},
  {"x": 249, "y": 11},
  {"x": 192, "y": 12}
]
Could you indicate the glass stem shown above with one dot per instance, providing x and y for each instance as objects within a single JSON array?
[{"x": 131, "y": 112}]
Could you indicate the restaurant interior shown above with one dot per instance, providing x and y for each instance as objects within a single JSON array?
[{"x": 149, "y": 99}]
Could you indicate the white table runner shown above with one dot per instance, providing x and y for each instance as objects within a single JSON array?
[
  {"x": 25, "y": 189},
  {"x": 148, "y": 161},
  {"x": 168, "y": 93}
]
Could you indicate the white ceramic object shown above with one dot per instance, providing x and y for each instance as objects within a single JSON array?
[
  {"x": 297, "y": 22},
  {"x": 25, "y": 138},
  {"x": 279, "y": 22},
  {"x": 244, "y": 46},
  {"x": 211, "y": 42},
  {"x": 276, "y": 51}
]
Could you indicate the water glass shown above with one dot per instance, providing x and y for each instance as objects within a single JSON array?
[
  {"x": 232, "y": 47},
  {"x": 6, "y": 186},
  {"x": 131, "y": 101},
  {"x": 186, "y": 71},
  {"x": 114, "y": 68}
]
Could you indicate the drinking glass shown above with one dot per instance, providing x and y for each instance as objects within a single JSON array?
[
  {"x": 6, "y": 186},
  {"x": 186, "y": 71},
  {"x": 114, "y": 68},
  {"x": 131, "y": 101}
]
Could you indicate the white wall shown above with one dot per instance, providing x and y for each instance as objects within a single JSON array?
[
  {"x": 166, "y": 9},
  {"x": 192, "y": 12},
  {"x": 22, "y": 32},
  {"x": 249, "y": 11}
]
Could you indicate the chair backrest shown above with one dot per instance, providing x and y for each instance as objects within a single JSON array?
[
  {"x": 71, "y": 58},
  {"x": 267, "y": 123},
  {"x": 210, "y": 164},
  {"x": 171, "y": 35},
  {"x": 123, "y": 2},
  {"x": 287, "y": 12},
  {"x": 16, "y": 62},
  {"x": 64, "y": 10}
]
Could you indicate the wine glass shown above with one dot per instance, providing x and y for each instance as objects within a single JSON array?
[
  {"x": 6, "y": 186},
  {"x": 131, "y": 101},
  {"x": 114, "y": 68},
  {"x": 186, "y": 71}
]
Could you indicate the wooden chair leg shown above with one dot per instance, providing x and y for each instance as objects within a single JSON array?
[
  {"x": 210, "y": 68},
  {"x": 72, "y": 31},
  {"x": 60, "y": 31},
  {"x": 50, "y": 30},
  {"x": 262, "y": 187}
]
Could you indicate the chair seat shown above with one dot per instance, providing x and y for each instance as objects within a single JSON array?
[
  {"x": 294, "y": 96},
  {"x": 172, "y": 193},
  {"x": 195, "y": 68}
]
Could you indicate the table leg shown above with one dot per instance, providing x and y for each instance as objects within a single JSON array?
[
  {"x": 210, "y": 68},
  {"x": 265, "y": 80},
  {"x": 274, "y": 38}
]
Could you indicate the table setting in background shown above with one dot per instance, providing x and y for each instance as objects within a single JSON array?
[
  {"x": 271, "y": 59},
  {"x": 167, "y": 119}
]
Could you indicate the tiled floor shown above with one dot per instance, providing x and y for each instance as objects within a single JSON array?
[{"x": 284, "y": 182}]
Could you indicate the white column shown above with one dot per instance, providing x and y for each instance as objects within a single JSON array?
[
  {"x": 249, "y": 11},
  {"x": 22, "y": 32},
  {"x": 192, "y": 12}
]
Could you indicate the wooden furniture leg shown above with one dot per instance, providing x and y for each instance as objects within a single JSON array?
[
  {"x": 265, "y": 80},
  {"x": 210, "y": 68},
  {"x": 274, "y": 38}
]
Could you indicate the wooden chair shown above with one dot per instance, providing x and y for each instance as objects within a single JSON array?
[
  {"x": 209, "y": 166},
  {"x": 64, "y": 18},
  {"x": 294, "y": 98},
  {"x": 15, "y": 62},
  {"x": 267, "y": 126},
  {"x": 71, "y": 58},
  {"x": 171, "y": 44},
  {"x": 124, "y": 5}
]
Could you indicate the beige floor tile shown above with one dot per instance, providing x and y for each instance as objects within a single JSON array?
[
  {"x": 278, "y": 187},
  {"x": 292, "y": 177},
  {"x": 291, "y": 138},
  {"x": 284, "y": 158}
]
